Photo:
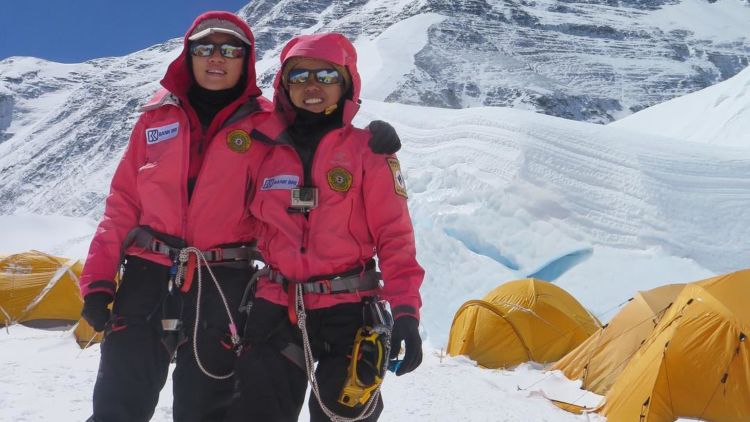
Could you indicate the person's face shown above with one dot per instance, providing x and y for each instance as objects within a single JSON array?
[
  {"x": 313, "y": 95},
  {"x": 216, "y": 72}
]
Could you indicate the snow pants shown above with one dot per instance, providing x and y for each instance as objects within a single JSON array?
[
  {"x": 271, "y": 387},
  {"x": 136, "y": 352}
]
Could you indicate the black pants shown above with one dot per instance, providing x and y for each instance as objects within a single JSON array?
[
  {"x": 271, "y": 387},
  {"x": 135, "y": 355}
]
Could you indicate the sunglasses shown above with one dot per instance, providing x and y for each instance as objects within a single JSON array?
[
  {"x": 324, "y": 76},
  {"x": 227, "y": 50}
]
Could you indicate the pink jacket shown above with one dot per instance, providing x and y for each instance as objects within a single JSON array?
[
  {"x": 149, "y": 186},
  {"x": 362, "y": 207}
]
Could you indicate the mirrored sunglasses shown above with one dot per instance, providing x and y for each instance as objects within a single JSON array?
[
  {"x": 324, "y": 76},
  {"x": 227, "y": 50}
]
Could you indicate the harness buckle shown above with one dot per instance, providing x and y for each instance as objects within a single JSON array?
[
  {"x": 321, "y": 286},
  {"x": 171, "y": 324},
  {"x": 214, "y": 255},
  {"x": 160, "y": 247}
]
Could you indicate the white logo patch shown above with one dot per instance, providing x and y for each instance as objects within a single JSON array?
[
  {"x": 284, "y": 181},
  {"x": 163, "y": 133}
]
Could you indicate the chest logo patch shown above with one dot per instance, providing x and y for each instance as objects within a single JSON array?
[
  {"x": 283, "y": 181},
  {"x": 339, "y": 179},
  {"x": 398, "y": 179},
  {"x": 239, "y": 141},
  {"x": 154, "y": 135}
]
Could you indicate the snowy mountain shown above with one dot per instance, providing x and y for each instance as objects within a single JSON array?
[
  {"x": 592, "y": 60},
  {"x": 63, "y": 127}
]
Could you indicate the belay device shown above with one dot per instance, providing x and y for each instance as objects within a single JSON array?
[{"x": 370, "y": 353}]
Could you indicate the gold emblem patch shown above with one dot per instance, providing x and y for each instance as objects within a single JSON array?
[
  {"x": 398, "y": 179},
  {"x": 339, "y": 179},
  {"x": 239, "y": 141}
]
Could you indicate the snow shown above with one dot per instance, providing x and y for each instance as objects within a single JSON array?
[
  {"x": 714, "y": 115},
  {"x": 56, "y": 235},
  {"x": 495, "y": 195},
  {"x": 390, "y": 56},
  {"x": 728, "y": 23},
  {"x": 45, "y": 375}
]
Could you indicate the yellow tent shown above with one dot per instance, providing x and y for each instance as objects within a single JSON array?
[
  {"x": 41, "y": 291},
  {"x": 520, "y": 321},
  {"x": 600, "y": 359},
  {"x": 695, "y": 363}
]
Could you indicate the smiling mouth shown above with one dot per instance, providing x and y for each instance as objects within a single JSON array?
[
  {"x": 313, "y": 101},
  {"x": 216, "y": 72}
]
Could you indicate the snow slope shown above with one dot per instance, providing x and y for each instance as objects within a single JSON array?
[
  {"x": 715, "y": 115},
  {"x": 499, "y": 194}
]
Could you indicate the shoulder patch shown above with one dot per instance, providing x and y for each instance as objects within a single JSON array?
[
  {"x": 239, "y": 141},
  {"x": 398, "y": 179},
  {"x": 339, "y": 179},
  {"x": 154, "y": 135}
]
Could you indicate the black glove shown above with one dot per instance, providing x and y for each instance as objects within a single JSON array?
[
  {"x": 384, "y": 138},
  {"x": 95, "y": 310},
  {"x": 406, "y": 328}
]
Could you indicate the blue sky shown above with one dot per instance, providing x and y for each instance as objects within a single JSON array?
[{"x": 72, "y": 31}]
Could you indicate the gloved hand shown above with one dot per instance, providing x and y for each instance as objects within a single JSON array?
[
  {"x": 406, "y": 329},
  {"x": 384, "y": 138},
  {"x": 95, "y": 310}
]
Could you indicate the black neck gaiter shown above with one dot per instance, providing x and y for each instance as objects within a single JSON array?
[
  {"x": 308, "y": 129},
  {"x": 207, "y": 104}
]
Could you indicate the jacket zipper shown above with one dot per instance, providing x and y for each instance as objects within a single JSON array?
[
  {"x": 184, "y": 177},
  {"x": 309, "y": 215},
  {"x": 204, "y": 146},
  {"x": 304, "y": 216}
]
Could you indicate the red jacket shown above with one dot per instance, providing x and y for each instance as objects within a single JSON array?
[
  {"x": 149, "y": 186},
  {"x": 362, "y": 207}
]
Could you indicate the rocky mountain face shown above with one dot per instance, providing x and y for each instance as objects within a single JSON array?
[
  {"x": 63, "y": 127},
  {"x": 591, "y": 60}
]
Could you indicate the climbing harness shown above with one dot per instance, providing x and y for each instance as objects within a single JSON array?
[
  {"x": 186, "y": 262},
  {"x": 360, "y": 279},
  {"x": 172, "y": 306},
  {"x": 235, "y": 257},
  {"x": 246, "y": 304}
]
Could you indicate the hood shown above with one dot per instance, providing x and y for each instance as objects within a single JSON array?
[
  {"x": 179, "y": 78},
  {"x": 331, "y": 47}
]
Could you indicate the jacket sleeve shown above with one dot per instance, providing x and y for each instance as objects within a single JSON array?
[
  {"x": 121, "y": 213},
  {"x": 390, "y": 225}
]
